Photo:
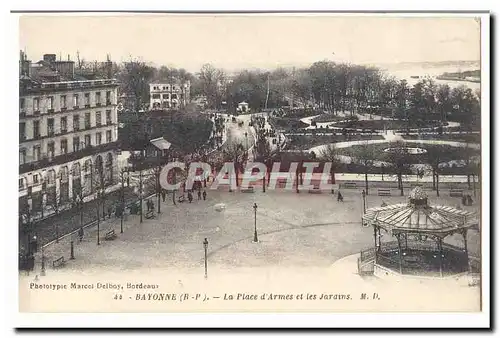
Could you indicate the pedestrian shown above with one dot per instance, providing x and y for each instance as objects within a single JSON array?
[
  {"x": 204, "y": 195},
  {"x": 110, "y": 211},
  {"x": 163, "y": 194},
  {"x": 340, "y": 198},
  {"x": 464, "y": 200},
  {"x": 469, "y": 200},
  {"x": 190, "y": 196},
  {"x": 199, "y": 194}
]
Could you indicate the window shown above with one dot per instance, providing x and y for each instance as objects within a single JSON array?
[
  {"x": 22, "y": 156},
  {"x": 88, "y": 142},
  {"x": 35, "y": 179},
  {"x": 50, "y": 103},
  {"x": 50, "y": 127},
  {"x": 51, "y": 149},
  {"x": 98, "y": 138},
  {"x": 64, "y": 124},
  {"x": 76, "y": 122},
  {"x": 76, "y": 101},
  {"x": 156, "y": 96},
  {"x": 22, "y": 131},
  {"x": 165, "y": 96},
  {"x": 108, "y": 136},
  {"x": 36, "y": 104},
  {"x": 108, "y": 98},
  {"x": 36, "y": 129},
  {"x": 87, "y": 100},
  {"x": 37, "y": 153},
  {"x": 98, "y": 119},
  {"x": 174, "y": 96},
  {"x": 63, "y": 101},
  {"x": 64, "y": 146},
  {"x": 22, "y": 104},
  {"x": 108, "y": 117},
  {"x": 98, "y": 98},
  {"x": 76, "y": 143},
  {"x": 87, "y": 120},
  {"x": 21, "y": 183}
]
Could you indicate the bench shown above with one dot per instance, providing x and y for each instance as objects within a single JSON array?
[
  {"x": 456, "y": 193},
  {"x": 350, "y": 185},
  {"x": 384, "y": 192},
  {"x": 110, "y": 235},
  {"x": 150, "y": 214},
  {"x": 315, "y": 190},
  {"x": 58, "y": 262},
  {"x": 249, "y": 189}
]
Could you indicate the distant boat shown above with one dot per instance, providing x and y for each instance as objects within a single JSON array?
[{"x": 415, "y": 77}]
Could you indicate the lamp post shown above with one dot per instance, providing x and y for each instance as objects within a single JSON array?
[
  {"x": 205, "y": 246},
  {"x": 42, "y": 273},
  {"x": 246, "y": 141},
  {"x": 98, "y": 221},
  {"x": 122, "y": 201},
  {"x": 363, "y": 194},
  {"x": 255, "y": 238}
]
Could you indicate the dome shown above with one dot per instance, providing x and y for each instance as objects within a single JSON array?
[{"x": 417, "y": 194}]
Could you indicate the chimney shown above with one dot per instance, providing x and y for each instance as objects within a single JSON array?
[{"x": 24, "y": 64}]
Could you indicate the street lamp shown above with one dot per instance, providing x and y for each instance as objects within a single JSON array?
[
  {"x": 98, "y": 220},
  {"x": 42, "y": 273},
  {"x": 246, "y": 141},
  {"x": 363, "y": 194},
  {"x": 255, "y": 238},
  {"x": 205, "y": 246}
]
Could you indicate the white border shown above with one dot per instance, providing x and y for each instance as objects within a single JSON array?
[{"x": 230, "y": 320}]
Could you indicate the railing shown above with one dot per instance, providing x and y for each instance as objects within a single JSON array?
[{"x": 61, "y": 159}]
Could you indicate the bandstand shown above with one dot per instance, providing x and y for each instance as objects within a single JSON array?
[{"x": 420, "y": 231}]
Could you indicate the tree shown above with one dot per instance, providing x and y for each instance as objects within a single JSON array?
[
  {"x": 444, "y": 102},
  {"x": 399, "y": 158},
  {"x": 236, "y": 154},
  {"x": 434, "y": 158},
  {"x": 212, "y": 81},
  {"x": 135, "y": 76},
  {"x": 330, "y": 154},
  {"x": 366, "y": 156}
]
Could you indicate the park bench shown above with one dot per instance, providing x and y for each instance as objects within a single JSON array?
[
  {"x": 249, "y": 189},
  {"x": 315, "y": 190},
  {"x": 384, "y": 192},
  {"x": 58, "y": 262},
  {"x": 456, "y": 192},
  {"x": 110, "y": 235},
  {"x": 350, "y": 185},
  {"x": 150, "y": 214}
]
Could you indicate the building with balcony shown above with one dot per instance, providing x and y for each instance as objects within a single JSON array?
[
  {"x": 68, "y": 134},
  {"x": 169, "y": 96}
]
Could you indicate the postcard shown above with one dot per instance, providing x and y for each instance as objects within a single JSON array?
[{"x": 270, "y": 163}]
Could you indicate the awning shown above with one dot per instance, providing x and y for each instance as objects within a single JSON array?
[{"x": 161, "y": 143}]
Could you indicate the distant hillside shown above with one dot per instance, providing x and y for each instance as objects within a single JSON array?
[{"x": 438, "y": 64}]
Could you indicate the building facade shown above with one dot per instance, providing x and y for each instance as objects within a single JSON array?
[
  {"x": 169, "y": 96},
  {"x": 68, "y": 136}
]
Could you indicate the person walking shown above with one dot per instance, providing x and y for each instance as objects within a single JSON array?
[
  {"x": 204, "y": 195},
  {"x": 190, "y": 196},
  {"x": 199, "y": 194},
  {"x": 340, "y": 198},
  {"x": 163, "y": 194}
]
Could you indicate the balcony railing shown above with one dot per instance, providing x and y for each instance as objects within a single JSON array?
[
  {"x": 50, "y": 111},
  {"x": 108, "y": 103},
  {"x": 64, "y": 108},
  {"x": 61, "y": 159},
  {"x": 98, "y": 104},
  {"x": 87, "y": 106},
  {"x": 36, "y": 112}
]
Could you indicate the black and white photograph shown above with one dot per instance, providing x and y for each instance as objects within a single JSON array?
[{"x": 252, "y": 162}]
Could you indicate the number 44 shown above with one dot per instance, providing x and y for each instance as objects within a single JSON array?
[{"x": 117, "y": 297}]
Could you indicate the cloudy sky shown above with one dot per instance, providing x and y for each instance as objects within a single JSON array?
[{"x": 234, "y": 42}]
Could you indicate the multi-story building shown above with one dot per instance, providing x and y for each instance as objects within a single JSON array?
[
  {"x": 67, "y": 133},
  {"x": 169, "y": 96}
]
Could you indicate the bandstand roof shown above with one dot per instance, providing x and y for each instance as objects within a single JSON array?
[{"x": 417, "y": 216}]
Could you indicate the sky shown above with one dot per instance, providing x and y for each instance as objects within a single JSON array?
[{"x": 251, "y": 41}]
